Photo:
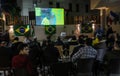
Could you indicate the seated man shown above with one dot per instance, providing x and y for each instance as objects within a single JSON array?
[
  {"x": 5, "y": 55},
  {"x": 85, "y": 57},
  {"x": 21, "y": 63},
  {"x": 85, "y": 52},
  {"x": 5, "y": 58},
  {"x": 81, "y": 44}
]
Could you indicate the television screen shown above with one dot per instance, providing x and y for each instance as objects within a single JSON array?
[{"x": 49, "y": 16}]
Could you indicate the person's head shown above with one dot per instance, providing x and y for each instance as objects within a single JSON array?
[
  {"x": 81, "y": 40},
  {"x": 88, "y": 41},
  {"x": 23, "y": 49},
  {"x": 74, "y": 38},
  {"x": 48, "y": 37},
  {"x": 100, "y": 38},
  {"x": 44, "y": 43},
  {"x": 58, "y": 38}
]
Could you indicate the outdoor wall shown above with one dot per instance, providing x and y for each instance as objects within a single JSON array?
[{"x": 69, "y": 29}]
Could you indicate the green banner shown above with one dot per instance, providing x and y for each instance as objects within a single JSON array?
[
  {"x": 50, "y": 29},
  {"x": 22, "y": 30}
]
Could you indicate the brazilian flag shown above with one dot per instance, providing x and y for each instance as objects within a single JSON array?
[
  {"x": 86, "y": 28},
  {"x": 22, "y": 30},
  {"x": 50, "y": 29}
]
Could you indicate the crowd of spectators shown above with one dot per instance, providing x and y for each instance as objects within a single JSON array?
[{"x": 30, "y": 54}]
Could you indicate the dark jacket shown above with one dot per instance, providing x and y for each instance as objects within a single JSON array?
[
  {"x": 5, "y": 57},
  {"x": 50, "y": 55}
]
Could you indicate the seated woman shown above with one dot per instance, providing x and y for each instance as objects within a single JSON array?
[{"x": 21, "y": 63}]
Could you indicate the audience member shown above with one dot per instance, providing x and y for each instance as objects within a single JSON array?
[
  {"x": 44, "y": 45},
  {"x": 27, "y": 40},
  {"x": 14, "y": 46},
  {"x": 50, "y": 54},
  {"x": 21, "y": 61},
  {"x": 101, "y": 51},
  {"x": 108, "y": 33},
  {"x": 5, "y": 54},
  {"x": 49, "y": 38},
  {"x": 110, "y": 42},
  {"x": 59, "y": 41},
  {"x": 81, "y": 44},
  {"x": 99, "y": 31},
  {"x": 35, "y": 55},
  {"x": 35, "y": 43},
  {"x": 85, "y": 52}
]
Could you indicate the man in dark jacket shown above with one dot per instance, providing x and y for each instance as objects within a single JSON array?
[{"x": 5, "y": 54}]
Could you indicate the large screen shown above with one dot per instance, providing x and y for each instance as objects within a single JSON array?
[{"x": 49, "y": 16}]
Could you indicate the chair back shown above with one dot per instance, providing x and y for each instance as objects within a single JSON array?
[
  {"x": 61, "y": 69},
  {"x": 114, "y": 66},
  {"x": 85, "y": 65},
  {"x": 20, "y": 72}
]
